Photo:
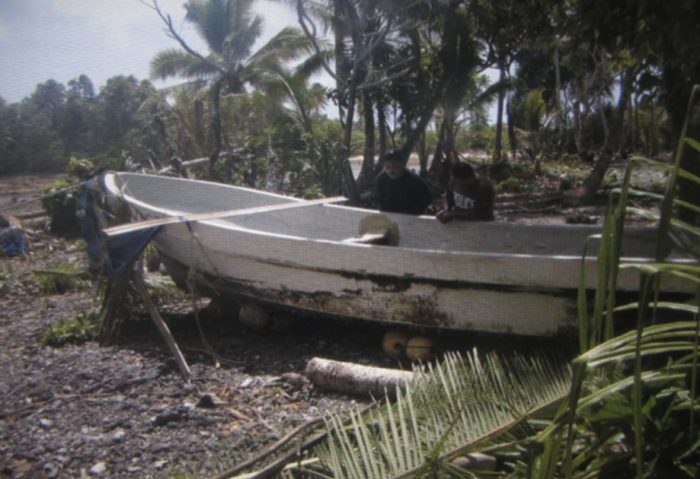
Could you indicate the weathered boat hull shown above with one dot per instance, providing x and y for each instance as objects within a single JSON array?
[{"x": 484, "y": 277}]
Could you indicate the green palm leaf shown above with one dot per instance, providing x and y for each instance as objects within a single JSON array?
[{"x": 454, "y": 408}]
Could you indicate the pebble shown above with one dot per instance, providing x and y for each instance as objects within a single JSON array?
[
  {"x": 160, "y": 464},
  {"x": 164, "y": 418},
  {"x": 246, "y": 383},
  {"x": 46, "y": 423},
  {"x": 51, "y": 471},
  {"x": 98, "y": 469},
  {"x": 118, "y": 436}
]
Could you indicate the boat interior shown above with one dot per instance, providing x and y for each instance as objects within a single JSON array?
[{"x": 339, "y": 223}]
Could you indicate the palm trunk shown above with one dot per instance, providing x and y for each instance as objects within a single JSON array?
[
  {"x": 423, "y": 155},
  {"x": 214, "y": 156},
  {"x": 381, "y": 120},
  {"x": 625, "y": 91},
  {"x": 365, "y": 179},
  {"x": 349, "y": 185},
  {"x": 585, "y": 193},
  {"x": 511, "y": 132},
  {"x": 499, "y": 117}
]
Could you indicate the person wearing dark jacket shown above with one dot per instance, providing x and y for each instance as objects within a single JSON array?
[
  {"x": 470, "y": 197},
  {"x": 400, "y": 190}
]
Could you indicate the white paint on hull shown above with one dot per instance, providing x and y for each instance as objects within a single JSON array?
[{"x": 485, "y": 276}]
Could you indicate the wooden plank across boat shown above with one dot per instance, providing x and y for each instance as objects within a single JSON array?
[{"x": 338, "y": 260}]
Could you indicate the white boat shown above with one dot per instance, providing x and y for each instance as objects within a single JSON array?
[{"x": 494, "y": 277}]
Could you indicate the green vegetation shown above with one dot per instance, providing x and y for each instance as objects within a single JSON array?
[
  {"x": 59, "y": 278},
  {"x": 417, "y": 88},
  {"x": 510, "y": 185},
  {"x": 77, "y": 330},
  {"x": 81, "y": 244},
  {"x": 626, "y": 406},
  {"x": 161, "y": 288},
  {"x": 8, "y": 279}
]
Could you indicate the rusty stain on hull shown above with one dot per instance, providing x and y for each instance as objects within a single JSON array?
[{"x": 351, "y": 303}]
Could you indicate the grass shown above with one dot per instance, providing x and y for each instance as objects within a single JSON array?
[
  {"x": 81, "y": 245},
  {"x": 162, "y": 288},
  {"x": 59, "y": 278},
  {"x": 76, "y": 330},
  {"x": 8, "y": 279}
]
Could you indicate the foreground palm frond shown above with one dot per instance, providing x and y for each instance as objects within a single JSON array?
[
  {"x": 633, "y": 402},
  {"x": 455, "y": 408}
]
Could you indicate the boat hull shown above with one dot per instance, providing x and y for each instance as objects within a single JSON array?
[{"x": 525, "y": 294}]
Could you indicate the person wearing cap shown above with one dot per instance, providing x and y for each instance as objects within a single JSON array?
[
  {"x": 470, "y": 197},
  {"x": 399, "y": 190}
]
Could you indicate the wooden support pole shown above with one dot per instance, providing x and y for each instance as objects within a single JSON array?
[{"x": 162, "y": 327}]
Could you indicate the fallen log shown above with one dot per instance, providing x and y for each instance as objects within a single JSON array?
[
  {"x": 355, "y": 378},
  {"x": 32, "y": 214}
]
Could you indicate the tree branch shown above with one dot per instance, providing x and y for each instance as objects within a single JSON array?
[
  {"x": 174, "y": 35},
  {"x": 311, "y": 35}
]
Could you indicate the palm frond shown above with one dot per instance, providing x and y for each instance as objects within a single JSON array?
[
  {"x": 289, "y": 44},
  {"x": 456, "y": 407},
  {"x": 176, "y": 63},
  {"x": 211, "y": 20},
  {"x": 239, "y": 43}
]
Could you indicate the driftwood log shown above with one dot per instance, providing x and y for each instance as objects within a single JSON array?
[{"x": 355, "y": 378}]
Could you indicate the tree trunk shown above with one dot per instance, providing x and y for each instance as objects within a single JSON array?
[
  {"x": 438, "y": 155},
  {"x": 349, "y": 184},
  {"x": 512, "y": 137},
  {"x": 381, "y": 123},
  {"x": 585, "y": 193},
  {"x": 499, "y": 117},
  {"x": 355, "y": 378},
  {"x": 625, "y": 92},
  {"x": 423, "y": 155},
  {"x": 214, "y": 156},
  {"x": 557, "y": 87},
  {"x": 366, "y": 179}
]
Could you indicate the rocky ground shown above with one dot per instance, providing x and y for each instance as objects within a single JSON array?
[{"x": 124, "y": 411}]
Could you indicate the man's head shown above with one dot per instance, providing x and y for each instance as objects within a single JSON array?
[
  {"x": 393, "y": 164},
  {"x": 463, "y": 176}
]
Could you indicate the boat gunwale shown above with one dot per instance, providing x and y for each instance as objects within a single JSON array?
[{"x": 112, "y": 186}]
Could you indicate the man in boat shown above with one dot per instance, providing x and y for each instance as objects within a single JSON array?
[
  {"x": 399, "y": 190},
  {"x": 470, "y": 197}
]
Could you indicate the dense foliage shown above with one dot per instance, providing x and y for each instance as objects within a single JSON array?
[{"x": 588, "y": 79}]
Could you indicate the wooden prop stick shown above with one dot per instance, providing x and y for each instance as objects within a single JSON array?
[
  {"x": 128, "y": 228},
  {"x": 162, "y": 327}
]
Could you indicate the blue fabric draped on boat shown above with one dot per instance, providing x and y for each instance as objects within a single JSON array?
[{"x": 108, "y": 254}]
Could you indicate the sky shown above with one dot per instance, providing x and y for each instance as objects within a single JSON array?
[{"x": 62, "y": 39}]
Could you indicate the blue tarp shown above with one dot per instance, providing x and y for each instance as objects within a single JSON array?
[
  {"x": 12, "y": 241},
  {"x": 109, "y": 253}
]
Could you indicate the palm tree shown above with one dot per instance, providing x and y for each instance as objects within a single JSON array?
[{"x": 230, "y": 30}]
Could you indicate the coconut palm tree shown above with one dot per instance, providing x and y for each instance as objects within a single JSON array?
[{"x": 230, "y": 30}]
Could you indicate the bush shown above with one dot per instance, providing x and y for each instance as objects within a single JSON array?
[
  {"x": 59, "y": 278},
  {"x": 77, "y": 330},
  {"x": 511, "y": 185},
  {"x": 62, "y": 204}
]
